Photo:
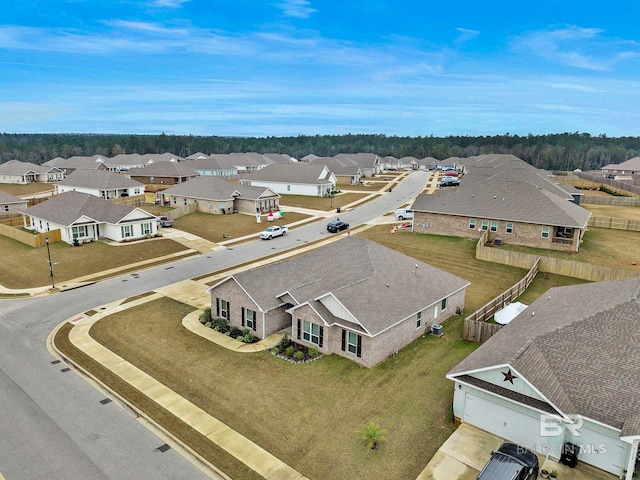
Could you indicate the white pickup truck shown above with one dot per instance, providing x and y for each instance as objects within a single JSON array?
[{"x": 275, "y": 231}]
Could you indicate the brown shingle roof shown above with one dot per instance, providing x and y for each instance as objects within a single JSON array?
[
  {"x": 379, "y": 286},
  {"x": 580, "y": 349}
]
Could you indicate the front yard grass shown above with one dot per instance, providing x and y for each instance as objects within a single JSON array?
[
  {"x": 320, "y": 203},
  {"x": 23, "y": 266},
  {"x": 26, "y": 189},
  {"x": 217, "y": 228}
]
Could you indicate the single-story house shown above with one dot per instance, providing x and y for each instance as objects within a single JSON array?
[
  {"x": 83, "y": 217},
  {"x": 629, "y": 167},
  {"x": 215, "y": 195},
  {"x": 345, "y": 174},
  {"x": 68, "y": 165},
  {"x": 10, "y": 205},
  {"x": 249, "y": 162},
  {"x": 512, "y": 203},
  {"x": 124, "y": 161},
  {"x": 370, "y": 164},
  {"x": 208, "y": 166},
  {"x": 566, "y": 369},
  {"x": 15, "y": 171},
  {"x": 100, "y": 183},
  {"x": 294, "y": 179},
  {"x": 353, "y": 298},
  {"x": 161, "y": 175}
]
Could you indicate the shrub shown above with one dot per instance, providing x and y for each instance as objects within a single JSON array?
[
  {"x": 313, "y": 352},
  {"x": 208, "y": 324},
  {"x": 240, "y": 338},
  {"x": 299, "y": 355},
  {"x": 220, "y": 323},
  {"x": 283, "y": 344},
  {"x": 245, "y": 332},
  {"x": 249, "y": 338},
  {"x": 205, "y": 316},
  {"x": 235, "y": 331},
  {"x": 289, "y": 351}
]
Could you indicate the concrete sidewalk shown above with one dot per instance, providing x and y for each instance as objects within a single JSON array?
[{"x": 246, "y": 451}]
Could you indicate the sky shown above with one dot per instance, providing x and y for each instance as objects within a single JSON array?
[{"x": 316, "y": 67}]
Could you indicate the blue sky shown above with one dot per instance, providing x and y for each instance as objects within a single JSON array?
[{"x": 290, "y": 67}]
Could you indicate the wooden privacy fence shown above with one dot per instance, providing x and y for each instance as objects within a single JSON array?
[
  {"x": 182, "y": 210},
  {"x": 568, "y": 268},
  {"x": 610, "y": 200},
  {"x": 615, "y": 223},
  {"x": 624, "y": 185},
  {"x": 28, "y": 238},
  {"x": 476, "y": 328}
]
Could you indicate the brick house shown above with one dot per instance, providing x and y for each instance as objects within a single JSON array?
[
  {"x": 510, "y": 200},
  {"x": 353, "y": 298},
  {"x": 214, "y": 195}
]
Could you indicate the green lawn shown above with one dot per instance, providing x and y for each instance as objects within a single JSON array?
[{"x": 23, "y": 266}]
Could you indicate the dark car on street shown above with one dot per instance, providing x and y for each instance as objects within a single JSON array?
[
  {"x": 511, "y": 462},
  {"x": 337, "y": 225}
]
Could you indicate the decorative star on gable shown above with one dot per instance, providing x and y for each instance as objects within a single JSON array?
[{"x": 509, "y": 377}]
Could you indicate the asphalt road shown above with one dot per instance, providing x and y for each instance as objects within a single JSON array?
[{"x": 53, "y": 424}]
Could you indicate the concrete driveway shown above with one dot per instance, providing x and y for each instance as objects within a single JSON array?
[{"x": 467, "y": 450}]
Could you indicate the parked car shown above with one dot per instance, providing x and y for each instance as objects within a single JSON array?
[
  {"x": 337, "y": 225},
  {"x": 275, "y": 231},
  {"x": 450, "y": 182},
  {"x": 451, "y": 173},
  {"x": 511, "y": 462},
  {"x": 165, "y": 222},
  {"x": 404, "y": 213}
]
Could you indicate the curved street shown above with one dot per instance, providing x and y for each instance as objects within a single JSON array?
[{"x": 54, "y": 425}]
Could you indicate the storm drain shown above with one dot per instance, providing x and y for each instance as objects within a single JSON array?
[
  {"x": 168, "y": 268},
  {"x": 55, "y": 362},
  {"x": 65, "y": 369},
  {"x": 163, "y": 448},
  {"x": 104, "y": 401}
]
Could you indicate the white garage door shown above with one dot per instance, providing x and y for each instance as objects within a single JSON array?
[
  {"x": 600, "y": 450},
  {"x": 505, "y": 422}
]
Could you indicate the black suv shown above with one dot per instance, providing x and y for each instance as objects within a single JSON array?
[
  {"x": 511, "y": 462},
  {"x": 337, "y": 225}
]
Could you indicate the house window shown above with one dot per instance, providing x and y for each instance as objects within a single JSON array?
[
  {"x": 352, "y": 343},
  {"x": 485, "y": 225},
  {"x": 146, "y": 228},
  {"x": 136, "y": 191},
  {"x": 419, "y": 319},
  {"x": 222, "y": 308},
  {"x": 175, "y": 200},
  {"x": 494, "y": 226},
  {"x": 545, "y": 232},
  {"x": 79, "y": 232},
  {"x": 127, "y": 231},
  {"x": 443, "y": 305},
  {"x": 472, "y": 223},
  {"x": 185, "y": 201},
  {"x": 151, "y": 179},
  {"x": 288, "y": 188},
  {"x": 509, "y": 228},
  {"x": 312, "y": 333},
  {"x": 6, "y": 208},
  {"x": 250, "y": 319}
]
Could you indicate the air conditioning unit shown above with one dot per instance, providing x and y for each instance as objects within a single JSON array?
[{"x": 436, "y": 329}]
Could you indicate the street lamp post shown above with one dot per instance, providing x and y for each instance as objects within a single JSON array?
[{"x": 46, "y": 239}]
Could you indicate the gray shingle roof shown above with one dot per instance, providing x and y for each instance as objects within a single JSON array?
[
  {"x": 81, "y": 162},
  {"x": 379, "y": 286},
  {"x": 215, "y": 188},
  {"x": 100, "y": 179},
  {"x": 163, "y": 169},
  {"x": 8, "y": 199},
  {"x": 68, "y": 207},
  {"x": 301, "y": 173},
  {"x": 16, "y": 167},
  {"x": 580, "y": 350},
  {"x": 631, "y": 164},
  {"x": 503, "y": 187}
]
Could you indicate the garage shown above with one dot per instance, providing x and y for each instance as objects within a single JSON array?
[
  {"x": 601, "y": 450},
  {"x": 505, "y": 422}
]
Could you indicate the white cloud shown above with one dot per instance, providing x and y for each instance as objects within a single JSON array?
[
  {"x": 297, "y": 8},
  {"x": 466, "y": 35},
  {"x": 168, "y": 3}
]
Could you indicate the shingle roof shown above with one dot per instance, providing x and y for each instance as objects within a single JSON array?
[
  {"x": 631, "y": 164},
  {"x": 335, "y": 166},
  {"x": 379, "y": 286},
  {"x": 303, "y": 173},
  {"x": 215, "y": 188},
  {"x": 7, "y": 199},
  {"x": 100, "y": 179},
  {"x": 163, "y": 169},
  {"x": 82, "y": 162},
  {"x": 68, "y": 207},
  {"x": 580, "y": 350},
  {"x": 16, "y": 167},
  {"x": 503, "y": 187}
]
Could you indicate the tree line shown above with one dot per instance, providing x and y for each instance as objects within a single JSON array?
[{"x": 562, "y": 151}]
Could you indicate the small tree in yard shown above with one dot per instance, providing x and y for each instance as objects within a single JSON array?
[{"x": 372, "y": 435}]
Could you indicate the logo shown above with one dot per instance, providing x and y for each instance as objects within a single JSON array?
[{"x": 552, "y": 426}]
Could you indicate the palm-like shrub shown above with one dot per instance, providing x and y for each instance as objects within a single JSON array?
[{"x": 372, "y": 435}]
